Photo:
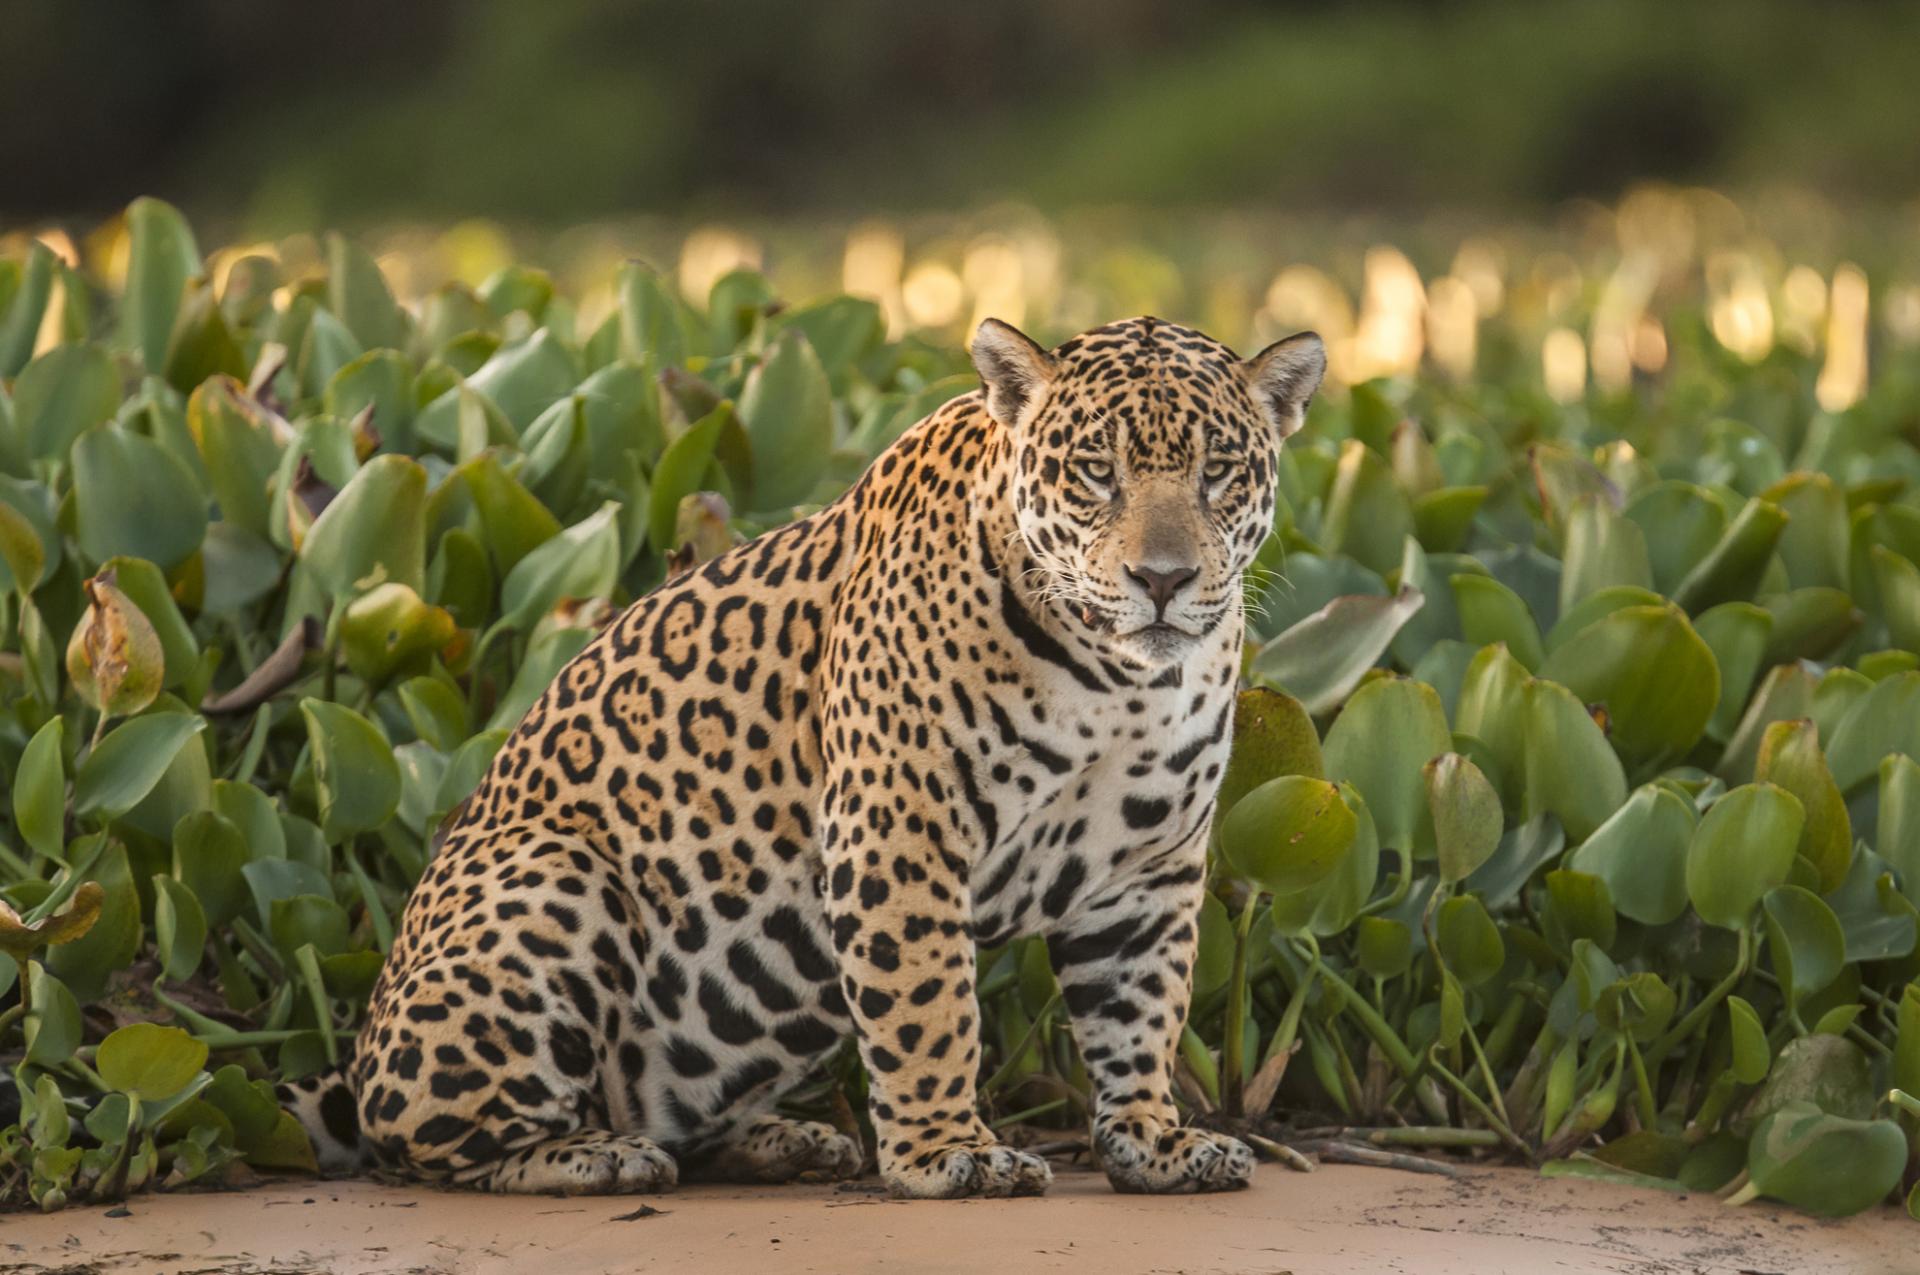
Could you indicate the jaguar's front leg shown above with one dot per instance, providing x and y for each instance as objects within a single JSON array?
[
  {"x": 1125, "y": 963},
  {"x": 902, "y": 934}
]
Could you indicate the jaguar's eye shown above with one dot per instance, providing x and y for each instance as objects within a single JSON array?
[
  {"x": 1097, "y": 472},
  {"x": 1217, "y": 472}
]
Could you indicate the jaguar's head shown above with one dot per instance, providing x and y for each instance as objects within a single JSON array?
[{"x": 1143, "y": 457}]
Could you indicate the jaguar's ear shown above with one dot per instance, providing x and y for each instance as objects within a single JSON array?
[
  {"x": 1284, "y": 376},
  {"x": 1012, "y": 366}
]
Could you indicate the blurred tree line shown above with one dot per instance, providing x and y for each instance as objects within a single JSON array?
[{"x": 281, "y": 114}]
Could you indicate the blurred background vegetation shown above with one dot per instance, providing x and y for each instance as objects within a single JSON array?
[{"x": 268, "y": 117}]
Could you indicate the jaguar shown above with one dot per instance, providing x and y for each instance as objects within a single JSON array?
[{"x": 785, "y": 797}]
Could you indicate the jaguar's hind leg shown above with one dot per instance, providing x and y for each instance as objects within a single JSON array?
[
  {"x": 588, "y": 1163},
  {"x": 776, "y": 1149}
]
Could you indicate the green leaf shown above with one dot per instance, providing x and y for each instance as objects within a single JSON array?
[
  {"x": 1330, "y": 906},
  {"x": 1804, "y": 939},
  {"x": 1388, "y": 731},
  {"x": 357, "y": 294},
  {"x": 134, "y": 497},
  {"x": 200, "y": 345},
  {"x": 1815, "y": 544},
  {"x": 161, "y": 258},
  {"x": 146, "y": 588},
  {"x": 388, "y": 628},
  {"x": 20, "y": 314},
  {"x": 308, "y": 918},
  {"x": 1809, "y": 624},
  {"x": 1469, "y": 941},
  {"x": 1367, "y": 516},
  {"x": 466, "y": 768},
  {"x": 208, "y": 854},
  {"x": 1382, "y": 946},
  {"x": 842, "y": 331},
  {"x": 1790, "y": 757},
  {"x": 1731, "y": 571},
  {"x": 1898, "y": 581},
  {"x": 179, "y": 929},
  {"x": 1752, "y": 1055},
  {"x": 150, "y": 1062},
  {"x": 1322, "y": 658},
  {"x": 1466, "y": 815},
  {"x": 1825, "y": 1164},
  {"x": 1289, "y": 833},
  {"x": 356, "y": 781},
  {"x": 40, "y": 791},
  {"x": 53, "y": 1029},
  {"x": 127, "y": 764},
  {"x": 1491, "y": 612},
  {"x": 514, "y": 522},
  {"x": 1272, "y": 736},
  {"x": 1580, "y": 906},
  {"x": 581, "y": 562},
  {"x": 1213, "y": 957},
  {"x": 1737, "y": 634},
  {"x": 1641, "y": 854},
  {"x": 650, "y": 320},
  {"x": 1655, "y": 677},
  {"x": 786, "y": 409},
  {"x": 373, "y": 532},
  {"x": 239, "y": 449},
  {"x": 1571, "y": 771},
  {"x": 1603, "y": 550},
  {"x": 1743, "y": 848},
  {"x": 1492, "y": 708},
  {"x": 680, "y": 471},
  {"x": 62, "y": 394},
  {"x": 1884, "y": 720},
  {"x": 1681, "y": 523},
  {"x": 1785, "y": 693}
]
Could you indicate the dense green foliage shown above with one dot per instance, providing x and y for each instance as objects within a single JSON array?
[{"x": 1575, "y": 803}]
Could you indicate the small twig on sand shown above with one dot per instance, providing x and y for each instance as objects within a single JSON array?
[
  {"x": 1352, "y": 1153},
  {"x": 1279, "y": 1151},
  {"x": 1067, "y": 1147}
]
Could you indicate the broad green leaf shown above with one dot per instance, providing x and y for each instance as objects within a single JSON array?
[
  {"x": 1492, "y": 708},
  {"x": 1382, "y": 947},
  {"x": 581, "y": 562},
  {"x": 1570, "y": 769},
  {"x": 1790, "y": 757},
  {"x": 1289, "y": 833},
  {"x": 680, "y": 471},
  {"x": 1656, "y": 679},
  {"x": 1466, "y": 815},
  {"x": 358, "y": 295},
  {"x": 1388, "y": 731},
  {"x": 22, "y": 312},
  {"x": 1641, "y": 854},
  {"x": 1580, "y": 906},
  {"x": 1597, "y": 606},
  {"x": 1732, "y": 569},
  {"x": 356, "y": 780},
  {"x": 1737, "y": 634},
  {"x": 1884, "y": 720},
  {"x": 126, "y": 765},
  {"x": 179, "y": 929},
  {"x": 1330, "y": 906},
  {"x": 1272, "y": 736},
  {"x": 162, "y": 257},
  {"x": 1814, "y": 545},
  {"x": 1323, "y": 657},
  {"x": 309, "y": 918},
  {"x": 373, "y": 532},
  {"x": 1804, "y": 939},
  {"x": 1825, "y": 1164},
  {"x": 1603, "y": 550},
  {"x": 1785, "y": 693},
  {"x": 134, "y": 497},
  {"x": 40, "y": 791},
  {"x": 1752, "y": 1055},
  {"x": 1743, "y": 848},
  {"x": 1898, "y": 581},
  {"x": 149, "y": 1061},
  {"x": 1469, "y": 941},
  {"x": 1809, "y": 624},
  {"x": 200, "y": 346},
  {"x": 1213, "y": 957},
  {"x": 786, "y": 409},
  {"x": 513, "y": 521},
  {"x": 466, "y": 768},
  {"x": 1491, "y": 612},
  {"x": 437, "y": 711},
  {"x": 1367, "y": 517},
  {"x": 1898, "y": 834},
  {"x": 62, "y": 394},
  {"x": 89, "y": 960},
  {"x": 52, "y": 1030},
  {"x": 842, "y": 331},
  {"x": 1681, "y": 523},
  {"x": 389, "y": 627},
  {"x": 209, "y": 851},
  {"x": 650, "y": 322}
]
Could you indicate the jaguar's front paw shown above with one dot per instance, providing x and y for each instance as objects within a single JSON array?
[
  {"x": 1173, "y": 1160},
  {"x": 983, "y": 1168}
]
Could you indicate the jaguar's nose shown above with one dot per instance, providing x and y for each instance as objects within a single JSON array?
[{"x": 1161, "y": 584}]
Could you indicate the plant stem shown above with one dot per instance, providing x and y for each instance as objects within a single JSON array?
[
  {"x": 1014, "y": 1055},
  {"x": 1698, "y": 1014},
  {"x": 1233, "y": 1047},
  {"x": 1472, "y": 1099}
]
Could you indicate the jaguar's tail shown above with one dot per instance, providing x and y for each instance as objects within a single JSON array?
[{"x": 324, "y": 1105}]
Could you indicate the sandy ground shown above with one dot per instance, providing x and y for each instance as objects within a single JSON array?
[{"x": 1337, "y": 1221}]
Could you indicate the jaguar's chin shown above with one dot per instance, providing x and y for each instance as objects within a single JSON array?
[{"x": 1161, "y": 643}]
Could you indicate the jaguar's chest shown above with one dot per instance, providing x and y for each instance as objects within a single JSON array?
[{"x": 1097, "y": 793}]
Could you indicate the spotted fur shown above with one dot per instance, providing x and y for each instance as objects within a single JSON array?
[{"x": 986, "y": 693}]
